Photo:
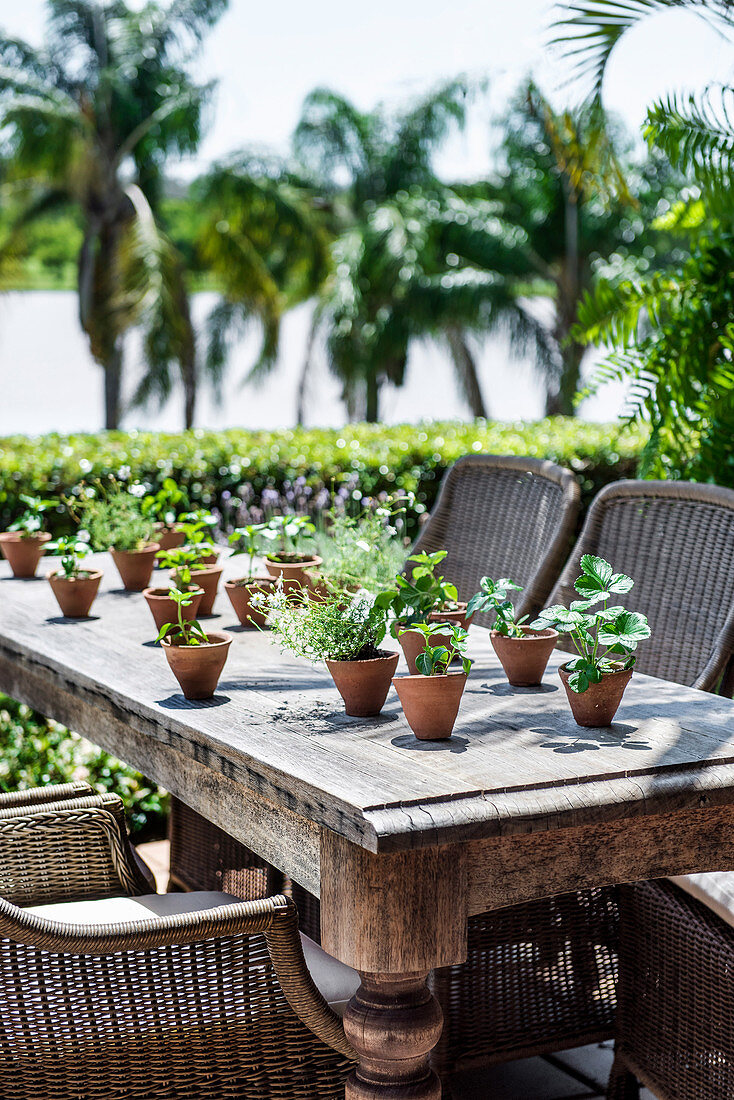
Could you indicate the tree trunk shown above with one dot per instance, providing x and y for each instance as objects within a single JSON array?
[
  {"x": 306, "y": 368},
  {"x": 187, "y": 352},
  {"x": 113, "y": 387},
  {"x": 560, "y": 402},
  {"x": 466, "y": 370},
  {"x": 372, "y": 411}
]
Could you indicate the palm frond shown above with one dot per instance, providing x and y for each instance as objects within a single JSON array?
[{"x": 695, "y": 133}]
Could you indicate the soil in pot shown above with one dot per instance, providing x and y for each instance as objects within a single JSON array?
[
  {"x": 524, "y": 659},
  {"x": 241, "y": 593},
  {"x": 169, "y": 538},
  {"x": 136, "y": 566},
  {"x": 208, "y": 580},
  {"x": 363, "y": 685},
  {"x": 413, "y": 642},
  {"x": 293, "y": 569},
  {"x": 198, "y": 667},
  {"x": 431, "y": 703},
  {"x": 600, "y": 702},
  {"x": 75, "y": 595},
  {"x": 165, "y": 610},
  {"x": 23, "y": 554}
]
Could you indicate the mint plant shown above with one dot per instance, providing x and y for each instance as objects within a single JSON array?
[
  {"x": 605, "y": 639},
  {"x": 30, "y": 522},
  {"x": 413, "y": 598},
  {"x": 289, "y": 532},
  {"x": 71, "y": 553},
  {"x": 493, "y": 597},
  {"x": 246, "y": 540},
  {"x": 434, "y": 660},
  {"x": 186, "y": 633}
]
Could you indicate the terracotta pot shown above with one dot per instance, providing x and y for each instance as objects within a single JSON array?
[
  {"x": 75, "y": 595},
  {"x": 208, "y": 557},
  {"x": 136, "y": 566},
  {"x": 363, "y": 685},
  {"x": 413, "y": 642},
  {"x": 292, "y": 572},
  {"x": 208, "y": 580},
  {"x": 524, "y": 659},
  {"x": 240, "y": 594},
  {"x": 169, "y": 538},
  {"x": 23, "y": 554},
  {"x": 431, "y": 703},
  {"x": 600, "y": 702},
  {"x": 198, "y": 667},
  {"x": 165, "y": 610}
]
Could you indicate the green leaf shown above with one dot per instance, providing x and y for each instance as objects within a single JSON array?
[{"x": 578, "y": 682}]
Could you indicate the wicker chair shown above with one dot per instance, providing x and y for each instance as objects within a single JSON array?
[{"x": 108, "y": 991}]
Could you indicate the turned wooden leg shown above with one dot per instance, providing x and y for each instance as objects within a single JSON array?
[{"x": 393, "y": 1022}]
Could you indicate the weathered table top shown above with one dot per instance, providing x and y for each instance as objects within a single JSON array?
[{"x": 517, "y": 761}]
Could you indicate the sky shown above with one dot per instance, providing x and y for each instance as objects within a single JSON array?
[{"x": 267, "y": 56}]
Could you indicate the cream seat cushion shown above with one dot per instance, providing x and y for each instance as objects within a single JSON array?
[
  {"x": 336, "y": 981},
  {"x": 714, "y": 889}
]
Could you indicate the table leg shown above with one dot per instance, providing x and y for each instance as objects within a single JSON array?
[{"x": 393, "y": 1022}]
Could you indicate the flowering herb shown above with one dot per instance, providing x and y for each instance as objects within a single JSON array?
[
  {"x": 327, "y": 630},
  {"x": 289, "y": 532},
  {"x": 71, "y": 553},
  {"x": 31, "y": 521}
]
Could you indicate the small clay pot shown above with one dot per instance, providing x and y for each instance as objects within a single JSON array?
[
  {"x": 210, "y": 556},
  {"x": 292, "y": 572},
  {"x": 169, "y": 538},
  {"x": 431, "y": 703},
  {"x": 363, "y": 685},
  {"x": 136, "y": 566},
  {"x": 165, "y": 610},
  {"x": 240, "y": 594},
  {"x": 208, "y": 580},
  {"x": 524, "y": 659},
  {"x": 198, "y": 667},
  {"x": 413, "y": 642},
  {"x": 75, "y": 595},
  {"x": 600, "y": 702},
  {"x": 23, "y": 554}
]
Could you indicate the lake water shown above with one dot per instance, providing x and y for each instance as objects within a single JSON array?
[{"x": 51, "y": 383}]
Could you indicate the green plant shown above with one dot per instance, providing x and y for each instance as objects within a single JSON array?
[
  {"x": 327, "y": 630},
  {"x": 31, "y": 520},
  {"x": 113, "y": 518},
  {"x": 363, "y": 550},
  {"x": 434, "y": 660},
  {"x": 606, "y": 638},
  {"x": 289, "y": 532},
  {"x": 246, "y": 540},
  {"x": 493, "y": 597},
  {"x": 162, "y": 506},
  {"x": 413, "y": 598},
  {"x": 186, "y": 632},
  {"x": 71, "y": 552},
  {"x": 183, "y": 562}
]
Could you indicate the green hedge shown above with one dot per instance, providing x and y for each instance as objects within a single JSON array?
[{"x": 229, "y": 469}]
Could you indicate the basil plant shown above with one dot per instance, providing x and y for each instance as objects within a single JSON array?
[{"x": 605, "y": 637}]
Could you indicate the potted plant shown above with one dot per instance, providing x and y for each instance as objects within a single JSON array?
[
  {"x": 358, "y": 551},
  {"x": 288, "y": 560},
  {"x": 423, "y": 597},
  {"x": 246, "y": 594},
  {"x": 115, "y": 522},
  {"x": 162, "y": 507},
  {"x": 605, "y": 638},
  {"x": 162, "y": 606},
  {"x": 74, "y": 587},
  {"x": 196, "y": 658},
  {"x": 431, "y": 696},
  {"x": 198, "y": 529},
  {"x": 189, "y": 567},
  {"x": 24, "y": 542},
  {"x": 523, "y": 650},
  {"x": 346, "y": 638}
]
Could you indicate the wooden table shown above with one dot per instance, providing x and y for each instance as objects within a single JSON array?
[{"x": 402, "y": 840}]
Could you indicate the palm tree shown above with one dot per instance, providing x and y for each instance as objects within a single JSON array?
[
  {"x": 91, "y": 119},
  {"x": 413, "y": 260}
]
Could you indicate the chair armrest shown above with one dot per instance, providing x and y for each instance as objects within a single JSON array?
[{"x": 36, "y": 796}]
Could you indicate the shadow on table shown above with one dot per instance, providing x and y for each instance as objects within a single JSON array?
[
  {"x": 64, "y": 620},
  {"x": 508, "y": 689},
  {"x": 450, "y": 744},
  {"x": 593, "y": 738},
  {"x": 180, "y": 702}
]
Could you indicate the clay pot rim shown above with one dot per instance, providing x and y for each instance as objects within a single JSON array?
[
  {"x": 18, "y": 536},
  {"x": 148, "y": 548},
  {"x": 304, "y": 562},
  {"x": 205, "y": 569},
  {"x": 222, "y": 638},
  {"x": 615, "y": 672},
  {"x": 385, "y": 655},
  {"x": 92, "y": 575},
  {"x": 529, "y": 634},
  {"x": 242, "y": 582},
  {"x": 442, "y": 676},
  {"x": 176, "y": 525},
  {"x": 165, "y": 593},
  {"x": 460, "y": 609}
]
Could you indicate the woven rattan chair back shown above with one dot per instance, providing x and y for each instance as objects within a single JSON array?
[
  {"x": 676, "y": 539},
  {"x": 503, "y": 516}
]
